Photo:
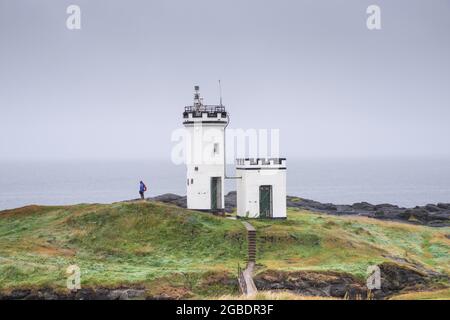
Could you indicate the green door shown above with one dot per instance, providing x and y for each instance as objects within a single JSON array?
[
  {"x": 265, "y": 201},
  {"x": 214, "y": 181}
]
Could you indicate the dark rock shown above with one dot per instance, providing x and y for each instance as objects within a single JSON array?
[
  {"x": 168, "y": 197},
  {"x": 386, "y": 206},
  {"x": 82, "y": 294},
  {"x": 126, "y": 294},
  {"x": 18, "y": 294},
  {"x": 431, "y": 215},
  {"x": 444, "y": 206},
  {"x": 311, "y": 283},
  {"x": 230, "y": 201},
  {"x": 395, "y": 278},
  {"x": 363, "y": 206},
  {"x": 432, "y": 208}
]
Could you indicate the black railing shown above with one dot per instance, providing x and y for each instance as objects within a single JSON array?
[
  {"x": 205, "y": 108},
  {"x": 262, "y": 161},
  {"x": 211, "y": 111}
]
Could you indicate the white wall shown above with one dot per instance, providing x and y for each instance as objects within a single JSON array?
[
  {"x": 202, "y": 137},
  {"x": 248, "y": 191}
]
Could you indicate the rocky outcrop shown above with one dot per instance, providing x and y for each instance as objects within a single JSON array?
[
  {"x": 432, "y": 215},
  {"x": 395, "y": 279},
  {"x": 82, "y": 294},
  {"x": 181, "y": 201},
  {"x": 171, "y": 198},
  {"x": 312, "y": 283}
]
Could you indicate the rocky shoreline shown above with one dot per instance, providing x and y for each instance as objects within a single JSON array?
[
  {"x": 395, "y": 279},
  {"x": 433, "y": 215}
]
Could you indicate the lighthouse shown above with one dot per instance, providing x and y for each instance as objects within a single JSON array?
[{"x": 205, "y": 154}]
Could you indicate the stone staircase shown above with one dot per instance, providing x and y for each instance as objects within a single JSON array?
[
  {"x": 251, "y": 239},
  {"x": 245, "y": 278}
]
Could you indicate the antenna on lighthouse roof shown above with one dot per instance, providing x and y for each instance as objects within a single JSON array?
[
  {"x": 220, "y": 93},
  {"x": 197, "y": 98}
]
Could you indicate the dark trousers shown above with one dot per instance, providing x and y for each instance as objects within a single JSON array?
[{"x": 142, "y": 194}]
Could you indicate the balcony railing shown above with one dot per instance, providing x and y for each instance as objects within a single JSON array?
[
  {"x": 205, "y": 108},
  {"x": 260, "y": 161},
  {"x": 210, "y": 110}
]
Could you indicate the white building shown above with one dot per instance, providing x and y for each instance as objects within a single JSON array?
[
  {"x": 205, "y": 158},
  {"x": 261, "y": 189},
  {"x": 261, "y": 183}
]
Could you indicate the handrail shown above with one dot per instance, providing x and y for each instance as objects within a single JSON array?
[
  {"x": 241, "y": 281},
  {"x": 205, "y": 108}
]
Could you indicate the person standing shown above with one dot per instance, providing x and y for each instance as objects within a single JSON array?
[{"x": 142, "y": 189}]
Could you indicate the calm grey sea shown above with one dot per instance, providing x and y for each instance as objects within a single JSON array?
[{"x": 402, "y": 181}]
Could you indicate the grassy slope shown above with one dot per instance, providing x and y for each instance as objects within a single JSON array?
[
  {"x": 118, "y": 244},
  {"x": 425, "y": 295},
  {"x": 322, "y": 242},
  {"x": 163, "y": 247}
]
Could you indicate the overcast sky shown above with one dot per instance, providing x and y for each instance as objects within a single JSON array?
[{"x": 117, "y": 87}]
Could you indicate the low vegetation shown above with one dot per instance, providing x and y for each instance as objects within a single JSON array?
[
  {"x": 309, "y": 241},
  {"x": 122, "y": 244},
  {"x": 177, "y": 253}
]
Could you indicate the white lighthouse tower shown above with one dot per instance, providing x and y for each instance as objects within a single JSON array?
[{"x": 205, "y": 159}]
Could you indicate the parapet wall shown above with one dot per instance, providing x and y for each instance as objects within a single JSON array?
[{"x": 261, "y": 162}]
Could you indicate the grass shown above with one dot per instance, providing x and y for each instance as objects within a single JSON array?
[
  {"x": 272, "y": 295},
  {"x": 425, "y": 295},
  {"x": 181, "y": 253},
  {"x": 308, "y": 241},
  {"x": 116, "y": 245}
]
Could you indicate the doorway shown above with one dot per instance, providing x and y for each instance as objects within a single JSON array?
[
  {"x": 216, "y": 193},
  {"x": 265, "y": 201}
]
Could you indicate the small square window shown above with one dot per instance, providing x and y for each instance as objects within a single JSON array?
[
  {"x": 187, "y": 181},
  {"x": 192, "y": 181},
  {"x": 216, "y": 148},
  {"x": 196, "y": 168}
]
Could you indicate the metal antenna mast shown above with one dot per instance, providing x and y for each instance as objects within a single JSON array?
[{"x": 220, "y": 93}]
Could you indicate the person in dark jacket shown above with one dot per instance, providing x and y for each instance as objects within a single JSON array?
[{"x": 142, "y": 189}]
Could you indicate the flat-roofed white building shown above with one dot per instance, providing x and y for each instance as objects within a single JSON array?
[{"x": 261, "y": 188}]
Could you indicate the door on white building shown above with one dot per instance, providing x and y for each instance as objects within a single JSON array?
[
  {"x": 216, "y": 193},
  {"x": 265, "y": 201}
]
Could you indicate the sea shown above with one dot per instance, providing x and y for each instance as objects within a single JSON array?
[{"x": 406, "y": 182}]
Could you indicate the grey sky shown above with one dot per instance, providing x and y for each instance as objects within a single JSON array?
[{"x": 117, "y": 87}]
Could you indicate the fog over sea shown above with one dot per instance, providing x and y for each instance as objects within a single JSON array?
[{"x": 403, "y": 181}]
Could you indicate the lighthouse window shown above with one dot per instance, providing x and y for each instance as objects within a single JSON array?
[
  {"x": 216, "y": 148},
  {"x": 187, "y": 181},
  {"x": 192, "y": 181},
  {"x": 196, "y": 168}
]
